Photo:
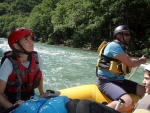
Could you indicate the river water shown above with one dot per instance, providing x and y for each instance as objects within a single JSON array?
[{"x": 67, "y": 67}]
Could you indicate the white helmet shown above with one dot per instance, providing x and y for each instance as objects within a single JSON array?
[{"x": 147, "y": 67}]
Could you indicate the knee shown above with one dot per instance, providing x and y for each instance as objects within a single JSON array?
[{"x": 129, "y": 105}]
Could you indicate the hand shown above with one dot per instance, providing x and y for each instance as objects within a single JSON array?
[
  {"x": 18, "y": 102},
  {"x": 143, "y": 60},
  {"x": 45, "y": 94}
]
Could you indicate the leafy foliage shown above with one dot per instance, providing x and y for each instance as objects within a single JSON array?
[{"x": 78, "y": 23}]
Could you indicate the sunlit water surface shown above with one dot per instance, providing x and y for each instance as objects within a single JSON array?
[{"x": 66, "y": 67}]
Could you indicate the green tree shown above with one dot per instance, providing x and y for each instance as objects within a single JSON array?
[
  {"x": 78, "y": 23},
  {"x": 40, "y": 20}
]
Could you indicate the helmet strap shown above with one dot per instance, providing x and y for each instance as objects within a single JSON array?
[
  {"x": 122, "y": 41},
  {"x": 23, "y": 50}
]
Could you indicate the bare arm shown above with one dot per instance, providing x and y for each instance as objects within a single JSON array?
[
  {"x": 6, "y": 70},
  {"x": 40, "y": 87},
  {"x": 42, "y": 93},
  {"x": 3, "y": 100},
  {"x": 126, "y": 59}
]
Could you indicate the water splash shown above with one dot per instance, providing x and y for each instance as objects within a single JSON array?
[
  {"x": 66, "y": 67},
  {"x": 3, "y": 46}
]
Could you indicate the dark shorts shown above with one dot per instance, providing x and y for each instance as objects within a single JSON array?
[{"x": 116, "y": 89}]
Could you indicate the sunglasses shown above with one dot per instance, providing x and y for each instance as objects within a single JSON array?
[{"x": 126, "y": 34}]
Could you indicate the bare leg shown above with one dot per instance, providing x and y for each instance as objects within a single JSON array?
[{"x": 124, "y": 107}]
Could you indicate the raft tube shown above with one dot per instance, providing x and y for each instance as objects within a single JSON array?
[{"x": 90, "y": 92}]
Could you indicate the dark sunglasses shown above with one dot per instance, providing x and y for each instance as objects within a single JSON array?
[{"x": 126, "y": 34}]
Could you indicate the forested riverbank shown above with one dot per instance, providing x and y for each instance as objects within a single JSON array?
[{"x": 78, "y": 23}]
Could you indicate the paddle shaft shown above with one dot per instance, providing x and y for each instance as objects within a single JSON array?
[
  {"x": 133, "y": 73},
  {"x": 135, "y": 69},
  {"x": 118, "y": 104}
]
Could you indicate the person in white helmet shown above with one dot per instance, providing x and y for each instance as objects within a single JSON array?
[{"x": 144, "y": 103}]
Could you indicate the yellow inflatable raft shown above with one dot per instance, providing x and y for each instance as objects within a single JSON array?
[{"x": 90, "y": 92}]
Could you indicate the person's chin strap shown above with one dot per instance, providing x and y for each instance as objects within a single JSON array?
[
  {"x": 123, "y": 42},
  {"x": 23, "y": 50}
]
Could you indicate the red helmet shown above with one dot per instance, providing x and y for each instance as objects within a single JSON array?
[{"x": 18, "y": 34}]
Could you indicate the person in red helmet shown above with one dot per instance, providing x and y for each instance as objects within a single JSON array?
[{"x": 20, "y": 72}]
